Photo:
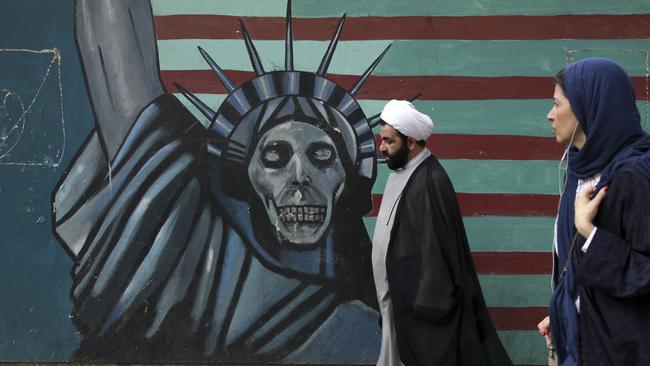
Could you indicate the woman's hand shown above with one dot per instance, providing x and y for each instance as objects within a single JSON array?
[
  {"x": 544, "y": 328},
  {"x": 586, "y": 209}
]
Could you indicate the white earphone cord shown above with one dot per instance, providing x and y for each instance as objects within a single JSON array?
[{"x": 561, "y": 188}]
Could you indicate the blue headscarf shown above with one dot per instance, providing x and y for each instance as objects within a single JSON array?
[{"x": 602, "y": 99}]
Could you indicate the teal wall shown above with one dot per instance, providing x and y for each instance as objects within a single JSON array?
[{"x": 35, "y": 273}]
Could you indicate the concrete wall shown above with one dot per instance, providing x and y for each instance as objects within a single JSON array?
[{"x": 138, "y": 230}]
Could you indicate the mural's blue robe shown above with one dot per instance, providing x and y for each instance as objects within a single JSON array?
[
  {"x": 162, "y": 275},
  {"x": 614, "y": 275}
]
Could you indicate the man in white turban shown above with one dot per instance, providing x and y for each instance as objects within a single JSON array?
[{"x": 431, "y": 304}]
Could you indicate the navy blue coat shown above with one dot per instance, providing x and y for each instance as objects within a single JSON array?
[{"x": 614, "y": 276}]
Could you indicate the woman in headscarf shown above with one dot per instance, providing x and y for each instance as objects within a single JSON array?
[{"x": 600, "y": 307}]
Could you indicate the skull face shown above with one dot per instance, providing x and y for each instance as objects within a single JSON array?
[{"x": 296, "y": 172}]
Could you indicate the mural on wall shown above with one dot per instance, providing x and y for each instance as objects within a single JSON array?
[{"x": 242, "y": 241}]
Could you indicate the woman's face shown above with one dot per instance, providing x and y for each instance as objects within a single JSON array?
[{"x": 563, "y": 121}]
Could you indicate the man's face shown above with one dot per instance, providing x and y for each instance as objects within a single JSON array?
[
  {"x": 298, "y": 175},
  {"x": 393, "y": 147}
]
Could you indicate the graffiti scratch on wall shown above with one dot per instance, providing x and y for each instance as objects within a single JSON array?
[{"x": 32, "y": 126}]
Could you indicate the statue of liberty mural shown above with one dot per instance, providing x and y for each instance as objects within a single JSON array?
[{"x": 242, "y": 241}]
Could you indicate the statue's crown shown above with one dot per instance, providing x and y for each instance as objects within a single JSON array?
[{"x": 267, "y": 86}]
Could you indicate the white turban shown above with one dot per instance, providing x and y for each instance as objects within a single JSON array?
[{"x": 403, "y": 117}]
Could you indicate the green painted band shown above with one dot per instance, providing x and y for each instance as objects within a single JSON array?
[
  {"x": 406, "y": 57},
  {"x": 501, "y": 233},
  {"x": 516, "y": 290},
  {"x": 493, "y": 176},
  {"x": 525, "y": 347}
]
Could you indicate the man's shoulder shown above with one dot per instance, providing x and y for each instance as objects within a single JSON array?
[
  {"x": 430, "y": 176},
  {"x": 430, "y": 169}
]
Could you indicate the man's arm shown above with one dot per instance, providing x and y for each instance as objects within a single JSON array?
[{"x": 117, "y": 45}]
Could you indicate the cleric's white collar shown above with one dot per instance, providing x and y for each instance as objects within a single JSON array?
[{"x": 415, "y": 161}]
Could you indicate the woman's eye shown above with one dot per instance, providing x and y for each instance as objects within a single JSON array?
[
  {"x": 321, "y": 154},
  {"x": 276, "y": 155}
]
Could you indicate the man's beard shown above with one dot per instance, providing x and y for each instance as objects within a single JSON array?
[{"x": 399, "y": 159}]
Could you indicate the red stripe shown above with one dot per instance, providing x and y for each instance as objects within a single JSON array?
[
  {"x": 496, "y": 204},
  {"x": 389, "y": 87},
  {"x": 410, "y": 27},
  {"x": 518, "y": 318},
  {"x": 513, "y": 263},
  {"x": 485, "y": 204},
  {"x": 492, "y": 147}
]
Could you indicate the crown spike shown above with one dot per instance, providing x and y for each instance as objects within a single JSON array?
[
  {"x": 252, "y": 52},
  {"x": 288, "y": 43},
  {"x": 416, "y": 96},
  {"x": 362, "y": 80},
  {"x": 218, "y": 71},
  {"x": 325, "y": 63},
  {"x": 202, "y": 107},
  {"x": 374, "y": 120}
]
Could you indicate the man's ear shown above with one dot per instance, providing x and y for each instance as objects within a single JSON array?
[{"x": 410, "y": 142}]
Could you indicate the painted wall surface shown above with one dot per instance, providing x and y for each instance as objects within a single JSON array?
[{"x": 229, "y": 220}]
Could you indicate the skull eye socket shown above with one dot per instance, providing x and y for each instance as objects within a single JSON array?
[
  {"x": 321, "y": 154},
  {"x": 276, "y": 155}
]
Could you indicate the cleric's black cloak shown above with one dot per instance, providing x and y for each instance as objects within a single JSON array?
[{"x": 439, "y": 311}]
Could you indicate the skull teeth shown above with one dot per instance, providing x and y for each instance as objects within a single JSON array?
[{"x": 302, "y": 214}]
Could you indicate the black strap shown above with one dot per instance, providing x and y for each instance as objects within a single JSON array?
[{"x": 566, "y": 264}]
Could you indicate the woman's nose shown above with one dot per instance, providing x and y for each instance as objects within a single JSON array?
[{"x": 550, "y": 115}]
